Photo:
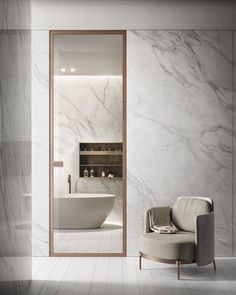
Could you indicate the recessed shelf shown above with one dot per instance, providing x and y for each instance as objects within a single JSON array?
[
  {"x": 100, "y": 165},
  {"x": 101, "y": 153},
  {"x": 103, "y": 158},
  {"x": 102, "y": 177}
]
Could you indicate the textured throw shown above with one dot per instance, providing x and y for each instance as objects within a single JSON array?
[{"x": 160, "y": 221}]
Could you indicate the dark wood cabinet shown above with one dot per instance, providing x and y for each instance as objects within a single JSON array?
[{"x": 104, "y": 158}]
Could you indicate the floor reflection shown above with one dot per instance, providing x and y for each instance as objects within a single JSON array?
[{"x": 107, "y": 239}]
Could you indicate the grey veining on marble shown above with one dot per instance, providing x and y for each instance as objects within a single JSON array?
[
  {"x": 180, "y": 124},
  {"x": 15, "y": 146},
  {"x": 40, "y": 145},
  {"x": 234, "y": 143},
  {"x": 86, "y": 109}
]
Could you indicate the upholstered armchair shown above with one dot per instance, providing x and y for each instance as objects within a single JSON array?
[{"x": 193, "y": 243}]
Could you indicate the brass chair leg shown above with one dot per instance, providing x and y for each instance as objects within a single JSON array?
[
  {"x": 140, "y": 262},
  {"x": 178, "y": 262},
  {"x": 214, "y": 264}
]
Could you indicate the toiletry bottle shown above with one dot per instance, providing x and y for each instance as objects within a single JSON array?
[
  {"x": 86, "y": 172},
  {"x": 103, "y": 174},
  {"x": 92, "y": 172}
]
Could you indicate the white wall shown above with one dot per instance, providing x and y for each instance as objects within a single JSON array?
[
  {"x": 107, "y": 14},
  {"x": 180, "y": 101}
]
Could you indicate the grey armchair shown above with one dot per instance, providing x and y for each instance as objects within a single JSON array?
[{"x": 194, "y": 243}]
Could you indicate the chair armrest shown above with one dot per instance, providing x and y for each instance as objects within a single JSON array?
[{"x": 205, "y": 240}]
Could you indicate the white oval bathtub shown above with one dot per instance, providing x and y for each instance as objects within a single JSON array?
[{"x": 78, "y": 211}]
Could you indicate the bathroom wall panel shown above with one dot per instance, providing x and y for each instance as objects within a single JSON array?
[
  {"x": 86, "y": 109},
  {"x": 234, "y": 144},
  {"x": 40, "y": 144},
  {"x": 15, "y": 146},
  {"x": 179, "y": 125}
]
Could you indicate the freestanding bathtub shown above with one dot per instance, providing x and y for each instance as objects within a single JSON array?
[{"x": 81, "y": 211}]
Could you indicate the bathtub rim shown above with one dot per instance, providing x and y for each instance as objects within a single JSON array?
[{"x": 83, "y": 196}]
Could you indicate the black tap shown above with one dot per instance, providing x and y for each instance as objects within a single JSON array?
[{"x": 69, "y": 181}]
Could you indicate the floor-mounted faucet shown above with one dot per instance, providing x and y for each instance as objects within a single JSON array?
[{"x": 69, "y": 181}]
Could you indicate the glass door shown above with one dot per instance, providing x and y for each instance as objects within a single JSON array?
[{"x": 88, "y": 143}]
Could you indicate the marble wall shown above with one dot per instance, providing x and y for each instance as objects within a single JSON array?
[
  {"x": 40, "y": 144},
  {"x": 179, "y": 127},
  {"x": 234, "y": 144},
  {"x": 15, "y": 146},
  {"x": 86, "y": 109},
  {"x": 180, "y": 101}
]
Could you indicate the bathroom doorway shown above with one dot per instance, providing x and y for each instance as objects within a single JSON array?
[{"x": 87, "y": 143}]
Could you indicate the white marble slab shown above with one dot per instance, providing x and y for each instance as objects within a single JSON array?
[
  {"x": 86, "y": 109},
  {"x": 179, "y": 125},
  {"x": 40, "y": 144},
  {"x": 234, "y": 144}
]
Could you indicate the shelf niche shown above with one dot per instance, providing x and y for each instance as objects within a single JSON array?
[{"x": 101, "y": 157}]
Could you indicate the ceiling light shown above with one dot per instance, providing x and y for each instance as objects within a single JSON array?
[
  {"x": 63, "y": 69},
  {"x": 72, "y": 70}
]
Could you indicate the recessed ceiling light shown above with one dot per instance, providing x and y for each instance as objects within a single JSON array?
[
  {"x": 72, "y": 69},
  {"x": 63, "y": 69}
]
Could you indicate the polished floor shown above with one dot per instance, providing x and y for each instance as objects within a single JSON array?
[
  {"x": 107, "y": 239},
  {"x": 111, "y": 276}
]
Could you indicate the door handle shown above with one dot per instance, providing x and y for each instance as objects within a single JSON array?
[{"x": 58, "y": 164}]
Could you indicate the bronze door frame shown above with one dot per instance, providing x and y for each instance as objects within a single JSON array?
[{"x": 52, "y": 33}]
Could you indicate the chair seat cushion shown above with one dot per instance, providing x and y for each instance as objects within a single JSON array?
[{"x": 179, "y": 246}]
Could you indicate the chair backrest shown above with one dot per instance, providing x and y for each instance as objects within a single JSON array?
[{"x": 186, "y": 209}]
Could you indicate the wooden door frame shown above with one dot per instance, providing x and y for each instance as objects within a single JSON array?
[{"x": 53, "y": 33}]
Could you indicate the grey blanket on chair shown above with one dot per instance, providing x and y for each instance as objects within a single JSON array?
[{"x": 160, "y": 221}]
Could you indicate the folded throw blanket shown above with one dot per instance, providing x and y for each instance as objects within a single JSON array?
[{"x": 160, "y": 221}]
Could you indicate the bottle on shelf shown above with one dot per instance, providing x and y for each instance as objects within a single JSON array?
[
  {"x": 103, "y": 174},
  {"x": 92, "y": 172},
  {"x": 86, "y": 172}
]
